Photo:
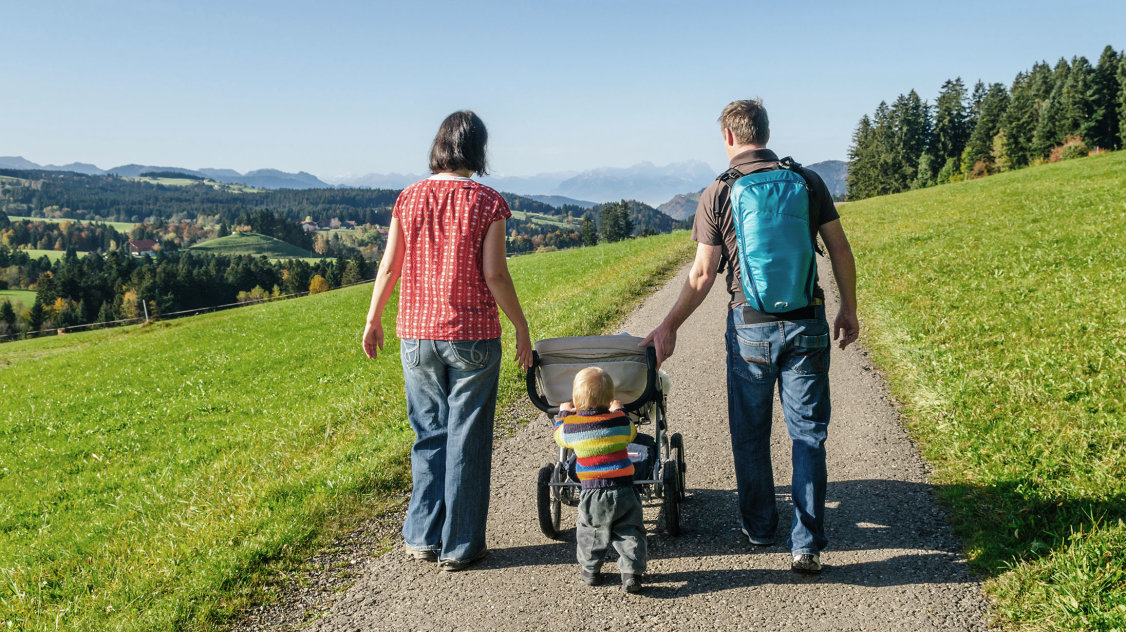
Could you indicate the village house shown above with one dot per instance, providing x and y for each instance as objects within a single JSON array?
[{"x": 143, "y": 247}]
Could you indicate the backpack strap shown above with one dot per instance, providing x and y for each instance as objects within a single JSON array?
[
  {"x": 790, "y": 164},
  {"x": 726, "y": 179}
]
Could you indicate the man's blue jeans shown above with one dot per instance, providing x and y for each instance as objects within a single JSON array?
[
  {"x": 451, "y": 400},
  {"x": 795, "y": 355}
]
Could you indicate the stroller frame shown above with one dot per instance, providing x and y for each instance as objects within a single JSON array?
[{"x": 667, "y": 480}]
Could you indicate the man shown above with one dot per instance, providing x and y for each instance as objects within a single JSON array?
[{"x": 790, "y": 348}]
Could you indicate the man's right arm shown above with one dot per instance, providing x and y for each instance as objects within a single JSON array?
[{"x": 700, "y": 280}]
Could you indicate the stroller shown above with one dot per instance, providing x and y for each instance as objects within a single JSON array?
[{"x": 658, "y": 460}]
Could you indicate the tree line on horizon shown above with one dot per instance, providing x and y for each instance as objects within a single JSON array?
[{"x": 1046, "y": 114}]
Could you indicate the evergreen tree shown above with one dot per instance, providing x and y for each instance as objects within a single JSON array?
[
  {"x": 36, "y": 315},
  {"x": 1079, "y": 100},
  {"x": 911, "y": 130},
  {"x": 990, "y": 112},
  {"x": 7, "y": 314},
  {"x": 1051, "y": 123},
  {"x": 1019, "y": 121},
  {"x": 1122, "y": 101},
  {"x": 1104, "y": 129},
  {"x": 861, "y": 161},
  {"x": 951, "y": 122},
  {"x": 587, "y": 231}
]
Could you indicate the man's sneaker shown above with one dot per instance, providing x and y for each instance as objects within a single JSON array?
[
  {"x": 450, "y": 566},
  {"x": 591, "y": 578},
  {"x": 756, "y": 540},
  {"x": 807, "y": 563},
  {"x": 422, "y": 555},
  {"x": 631, "y": 583}
]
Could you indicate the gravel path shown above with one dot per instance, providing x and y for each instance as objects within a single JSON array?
[{"x": 893, "y": 563}]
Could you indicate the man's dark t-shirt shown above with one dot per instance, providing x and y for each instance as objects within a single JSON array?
[{"x": 707, "y": 230}]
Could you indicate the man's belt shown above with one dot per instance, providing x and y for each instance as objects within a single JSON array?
[{"x": 752, "y": 316}]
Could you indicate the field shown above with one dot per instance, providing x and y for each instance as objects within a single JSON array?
[
  {"x": 537, "y": 218},
  {"x": 163, "y": 473},
  {"x": 997, "y": 309},
  {"x": 53, "y": 255},
  {"x": 184, "y": 182},
  {"x": 18, "y": 298},
  {"x": 121, "y": 227},
  {"x": 253, "y": 244}
]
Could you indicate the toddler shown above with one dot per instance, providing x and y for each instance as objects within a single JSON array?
[{"x": 596, "y": 427}]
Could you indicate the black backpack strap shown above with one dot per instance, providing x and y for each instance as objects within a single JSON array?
[
  {"x": 814, "y": 208},
  {"x": 726, "y": 179}
]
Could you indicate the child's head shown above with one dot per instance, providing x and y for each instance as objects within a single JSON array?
[
  {"x": 593, "y": 388},
  {"x": 460, "y": 144}
]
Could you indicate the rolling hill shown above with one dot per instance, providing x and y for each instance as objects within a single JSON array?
[{"x": 253, "y": 244}]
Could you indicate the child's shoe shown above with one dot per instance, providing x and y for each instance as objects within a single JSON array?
[
  {"x": 631, "y": 583},
  {"x": 591, "y": 578}
]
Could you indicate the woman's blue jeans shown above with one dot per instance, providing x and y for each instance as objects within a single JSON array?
[
  {"x": 794, "y": 355},
  {"x": 451, "y": 401}
]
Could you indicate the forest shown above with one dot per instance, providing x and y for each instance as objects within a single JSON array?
[{"x": 1047, "y": 114}]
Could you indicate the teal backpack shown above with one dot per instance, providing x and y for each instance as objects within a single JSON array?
[{"x": 776, "y": 235}]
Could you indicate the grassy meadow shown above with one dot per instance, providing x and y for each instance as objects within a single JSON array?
[
  {"x": 156, "y": 477},
  {"x": 997, "y": 309},
  {"x": 121, "y": 227},
  {"x": 18, "y": 298},
  {"x": 253, "y": 244}
]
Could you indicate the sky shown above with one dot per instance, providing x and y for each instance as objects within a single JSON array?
[{"x": 349, "y": 88}]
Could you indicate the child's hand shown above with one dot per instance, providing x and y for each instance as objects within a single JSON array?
[
  {"x": 566, "y": 407},
  {"x": 616, "y": 405}
]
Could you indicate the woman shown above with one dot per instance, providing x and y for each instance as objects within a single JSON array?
[{"x": 446, "y": 241}]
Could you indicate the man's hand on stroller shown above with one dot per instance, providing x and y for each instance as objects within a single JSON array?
[{"x": 663, "y": 339}]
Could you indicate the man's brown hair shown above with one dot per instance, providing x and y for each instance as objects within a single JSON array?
[{"x": 747, "y": 121}]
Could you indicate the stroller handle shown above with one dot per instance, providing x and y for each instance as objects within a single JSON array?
[{"x": 650, "y": 384}]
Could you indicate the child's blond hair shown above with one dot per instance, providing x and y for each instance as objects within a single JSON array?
[{"x": 593, "y": 388}]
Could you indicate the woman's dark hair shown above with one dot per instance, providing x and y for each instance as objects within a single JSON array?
[{"x": 460, "y": 144}]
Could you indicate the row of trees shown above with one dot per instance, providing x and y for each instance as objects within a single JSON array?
[
  {"x": 99, "y": 288},
  {"x": 1046, "y": 114}
]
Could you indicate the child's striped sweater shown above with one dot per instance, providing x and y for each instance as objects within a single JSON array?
[{"x": 599, "y": 438}]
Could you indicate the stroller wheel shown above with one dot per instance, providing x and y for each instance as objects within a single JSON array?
[
  {"x": 670, "y": 478},
  {"x": 548, "y": 504},
  {"x": 677, "y": 448}
]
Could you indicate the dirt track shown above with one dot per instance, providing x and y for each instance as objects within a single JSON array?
[{"x": 893, "y": 563}]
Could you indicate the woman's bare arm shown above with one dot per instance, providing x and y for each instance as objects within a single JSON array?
[{"x": 494, "y": 266}]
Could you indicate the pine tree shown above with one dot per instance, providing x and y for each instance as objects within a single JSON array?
[
  {"x": 1104, "y": 130},
  {"x": 951, "y": 124},
  {"x": 1050, "y": 125},
  {"x": 990, "y": 111},
  {"x": 587, "y": 232},
  {"x": 1019, "y": 121},
  {"x": 911, "y": 129},
  {"x": 861, "y": 162},
  {"x": 1078, "y": 105},
  {"x": 1122, "y": 101}
]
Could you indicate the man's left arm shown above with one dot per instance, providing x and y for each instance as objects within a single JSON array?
[{"x": 844, "y": 271}]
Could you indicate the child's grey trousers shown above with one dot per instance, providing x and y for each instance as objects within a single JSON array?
[{"x": 611, "y": 517}]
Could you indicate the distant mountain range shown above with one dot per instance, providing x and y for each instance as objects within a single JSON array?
[
  {"x": 262, "y": 178},
  {"x": 833, "y": 172},
  {"x": 649, "y": 183}
]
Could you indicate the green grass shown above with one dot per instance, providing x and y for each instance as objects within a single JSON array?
[
  {"x": 253, "y": 244},
  {"x": 18, "y": 298},
  {"x": 997, "y": 308},
  {"x": 185, "y": 182},
  {"x": 157, "y": 477},
  {"x": 542, "y": 219},
  {"x": 53, "y": 255},
  {"x": 121, "y": 227}
]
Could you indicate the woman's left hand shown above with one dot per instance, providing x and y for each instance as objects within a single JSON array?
[
  {"x": 524, "y": 350},
  {"x": 373, "y": 339}
]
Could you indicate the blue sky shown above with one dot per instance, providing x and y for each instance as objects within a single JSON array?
[{"x": 339, "y": 88}]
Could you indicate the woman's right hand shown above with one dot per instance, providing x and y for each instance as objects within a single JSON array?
[{"x": 373, "y": 339}]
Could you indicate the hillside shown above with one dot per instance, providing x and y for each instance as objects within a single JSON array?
[
  {"x": 187, "y": 461},
  {"x": 682, "y": 205},
  {"x": 253, "y": 244},
  {"x": 833, "y": 172},
  {"x": 997, "y": 310}
]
